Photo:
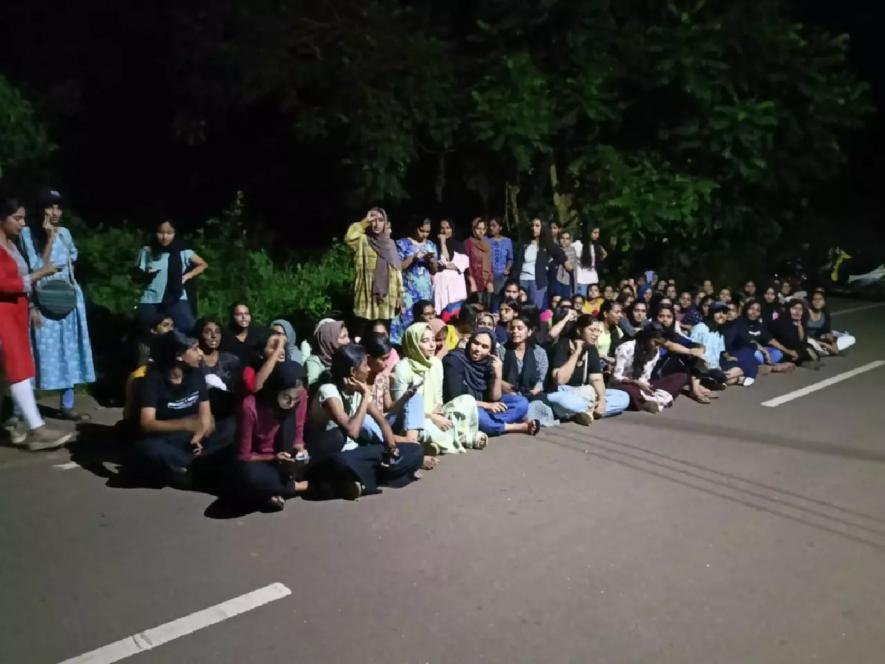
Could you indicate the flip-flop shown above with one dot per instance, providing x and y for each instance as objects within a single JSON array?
[
  {"x": 480, "y": 440},
  {"x": 536, "y": 428}
]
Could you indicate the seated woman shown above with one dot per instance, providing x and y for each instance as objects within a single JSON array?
[
  {"x": 579, "y": 393},
  {"x": 270, "y": 435},
  {"x": 635, "y": 361},
  {"x": 822, "y": 336},
  {"x": 149, "y": 326},
  {"x": 293, "y": 352},
  {"x": 507, "y": 311},
  {"x": 739, "y": 345},
  {"x": 441, "y": 335},
  {"x": 709, "y": 335},
  {"x": 771, "y": 307},
  {"x": 635, "y": 318},
  {"x": 269, "y": 350},
  {"x": 611, "y": 335},
  {"x": 382, "y": 359},
  {"x": 221, "y": 370},
  {"x": 477, "y": 371},
  {"x": 352, "y": 445},
  {"x": 239, "y": 338},
  {"x": 177, "y": 427},
  {"x": 789, "y": 330},
  {"x": 328, "y": 336},
  {"x": 769, "y": 351},
  {"x": 451, "y": 427},
  {"x": 525, "y": 370},
  {"x": 681, "y": 355}
]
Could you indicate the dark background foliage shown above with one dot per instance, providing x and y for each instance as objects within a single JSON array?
[{"x": 695, "y": 132}]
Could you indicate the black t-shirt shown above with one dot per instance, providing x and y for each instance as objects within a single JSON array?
[
  {"x": 586, "y": 366},
  {"x": 173, "y": 402}
]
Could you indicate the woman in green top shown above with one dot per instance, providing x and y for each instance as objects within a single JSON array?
[{"x": 449, "y": 428}]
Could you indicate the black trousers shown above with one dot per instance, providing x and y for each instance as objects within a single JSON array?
[
  {"x": 328, "y": 464},
  {"x": 258, "y": 481},
  {"x": 166, "y": 456}
]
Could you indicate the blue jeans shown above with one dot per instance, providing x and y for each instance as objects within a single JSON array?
[
  {"x": 568, "y": 401},
  {"x": 537, "y": 296},
  {"x": 409, "y": 418},
  {"x": 493, "y": 423},
  {"x": 776, "y": 355}
]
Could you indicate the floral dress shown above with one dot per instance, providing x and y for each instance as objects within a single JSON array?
[
  {"x": 62, "y": 349},
  {"x": 417, "y": 283}
]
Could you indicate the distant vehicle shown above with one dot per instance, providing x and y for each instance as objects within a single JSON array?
[{"x": 844, "y": 273}]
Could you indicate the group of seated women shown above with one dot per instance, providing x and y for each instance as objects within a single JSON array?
[{"x": 268, "y": 419}]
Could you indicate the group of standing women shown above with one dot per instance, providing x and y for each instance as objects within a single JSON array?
[{"x": 44, "y": 336}]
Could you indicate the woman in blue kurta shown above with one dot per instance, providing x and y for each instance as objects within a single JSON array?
[
  {"x": 419, "y": 262},
  {"x": 62, "y": 350}
]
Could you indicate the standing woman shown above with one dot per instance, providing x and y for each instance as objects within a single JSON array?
[
  {"x": 378, "y": 277},
  {"x": 167, "y": 266},
  {"x": 502, "y": 259},
  {"x": 480, "y": 277},
  {"x": 61, "y": 345},
  {"x": 449, "y": 287},
  {"x": 532, "y": 259},
  {"x": 418, "y": 256},
  {"x": 591, "y": 255},
  {"x": 16, "y": 364}
]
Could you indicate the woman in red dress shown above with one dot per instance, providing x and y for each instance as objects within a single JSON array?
[{"x": 16, "y": 362}]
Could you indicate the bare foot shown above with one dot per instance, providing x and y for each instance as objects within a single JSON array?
[{"x": 429, "y": 463}]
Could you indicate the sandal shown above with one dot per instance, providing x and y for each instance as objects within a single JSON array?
[
  {"x": 534, "y": 427},
  {"x": 275, "y": 504},
  {"x": 480, "y": 440}
]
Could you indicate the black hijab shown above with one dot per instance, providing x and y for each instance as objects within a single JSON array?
[
  {"x": 475, "y": 374},
  {"x": 523, "y": 382},
  {"x": 285, "y": 375}
]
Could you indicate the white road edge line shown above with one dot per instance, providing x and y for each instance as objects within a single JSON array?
[
  {"x": 853, "y": 309},
  {"x": 157, "y": 636},
  {"x": 70, "y": 465},
  {"x": 814, "y": 387}
]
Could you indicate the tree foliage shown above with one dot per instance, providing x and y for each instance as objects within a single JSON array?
[{"x": 24, "y": 141}]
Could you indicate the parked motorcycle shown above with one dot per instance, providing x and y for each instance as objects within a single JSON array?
[{"x": 844, "y": 273}]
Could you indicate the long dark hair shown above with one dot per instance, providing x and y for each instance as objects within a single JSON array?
[
  {"x": 377, "y": 344},
  {"x": 586, "y": 258},
  {"x": 344, "y": 360},
  {"x": 154, "y": 244},
  {"x": 645, "y": 349}
]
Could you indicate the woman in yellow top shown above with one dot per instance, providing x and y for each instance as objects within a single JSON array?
[{"x": 378, "y": 277}]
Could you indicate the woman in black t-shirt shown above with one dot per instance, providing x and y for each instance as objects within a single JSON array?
[{"x": 175, "y": 418}]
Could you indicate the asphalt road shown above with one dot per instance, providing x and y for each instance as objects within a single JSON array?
[{"x": 724, "y": 533}]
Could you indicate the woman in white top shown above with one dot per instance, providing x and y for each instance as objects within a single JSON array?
[
  {"x": 590, "y": 258},
  {"x": 449, "y": 285},
  {"x": 352, "y": 446},
  {"x": 634, "y": 362}
]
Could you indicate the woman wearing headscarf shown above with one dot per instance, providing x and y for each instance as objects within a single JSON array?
[
  {"x": 449, "y": 286},
  {"x": 62, "y": 351},
  {"x": 378, "y": 277},
  {"x": 477, "y": 371},
  {"x": 449, "y": 427},
  {"x": 270, "y": 438},
  {"x": 480, "y": 278},
  {"x": 441, "y": 334},
  {"x": 16, "y": 364},
  {"x": 166, "y": 265},
  {"x": 284, "y": 327},
  {"x": 328, "y": 336}
]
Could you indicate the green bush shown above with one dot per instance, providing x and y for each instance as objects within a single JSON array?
[{"x": 300, "y": 290}]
